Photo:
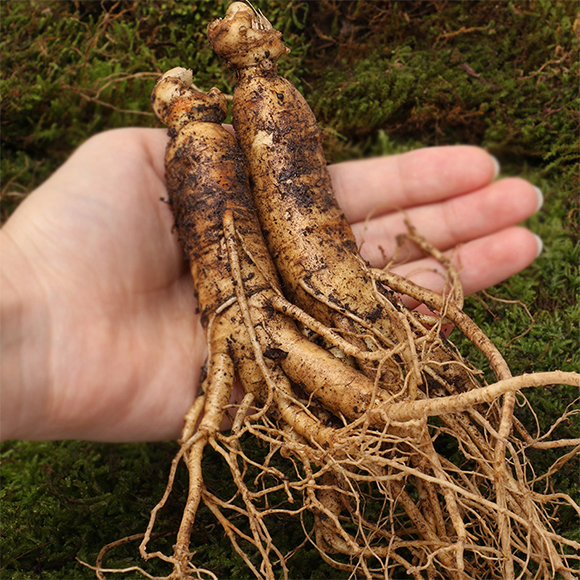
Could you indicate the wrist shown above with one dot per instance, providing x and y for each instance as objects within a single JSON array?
[{"x": 23, "y": 344}]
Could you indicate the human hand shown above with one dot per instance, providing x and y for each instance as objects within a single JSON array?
[{"x": 101, "y": 339}]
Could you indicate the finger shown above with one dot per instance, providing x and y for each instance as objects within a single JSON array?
[
  {"x": 403, "y": 181},
  {"x": 451, "y": 222},
  {"x": 481, "y": 263}
]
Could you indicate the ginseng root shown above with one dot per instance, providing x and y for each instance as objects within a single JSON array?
[
  {"x": 233, "y": 277},
  {"x": 316, "y": 256}
]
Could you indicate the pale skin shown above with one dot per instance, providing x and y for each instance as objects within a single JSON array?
[{"x": 100, "y": 337}]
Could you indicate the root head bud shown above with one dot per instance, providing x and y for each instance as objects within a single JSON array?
[
  {"x": 245, "y": 38},
  {"x": 176, "y": 102}
]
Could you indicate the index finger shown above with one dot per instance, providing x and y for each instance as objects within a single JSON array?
[{"x": 384, "y": 184}]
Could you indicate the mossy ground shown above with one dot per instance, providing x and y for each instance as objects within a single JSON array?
[{"x": 382, "y": 77}]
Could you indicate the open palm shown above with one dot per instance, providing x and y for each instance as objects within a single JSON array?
[{"x": 115, "y": 348}]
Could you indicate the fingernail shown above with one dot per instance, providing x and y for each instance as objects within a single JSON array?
[
  {"x": 540, "y": 244},
  {"x": 496, "y": 165},
  {"x": 540, "y": 198}
]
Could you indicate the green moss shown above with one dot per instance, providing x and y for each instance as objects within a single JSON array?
[
  {"x": 501, "y": 75},
  {"x": 382, "y": 77}
]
